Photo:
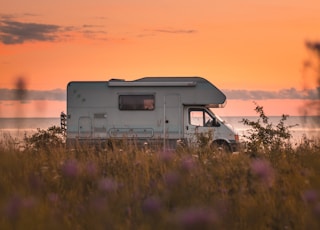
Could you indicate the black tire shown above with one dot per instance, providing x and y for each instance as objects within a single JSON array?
[{"x": 221, "y": 146}]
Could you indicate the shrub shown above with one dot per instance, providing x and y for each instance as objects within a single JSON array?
[
  {"x": 45, "y": 139},
  {"x": 263, "y": 136}
]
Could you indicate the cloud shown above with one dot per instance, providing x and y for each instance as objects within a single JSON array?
[
  {"x": 14, "y": 32},
  {"x": 93, "y": 31},
  {"x": 175, "y": 31},
  {"x": 291, "y": 93},
  {"x": 51, "y": 95},
  {"x": 154, "y": 32}
]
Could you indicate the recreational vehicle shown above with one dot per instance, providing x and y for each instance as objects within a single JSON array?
[{"x": 163, "y": 110}]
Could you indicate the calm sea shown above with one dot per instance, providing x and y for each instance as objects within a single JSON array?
[
  {"x": 300, "y": 126},
  {"x": 18, "y": 127}
]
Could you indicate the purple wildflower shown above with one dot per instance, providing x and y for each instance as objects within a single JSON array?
[
  {"x": 29, "y": 202},
  {"x": 263, "y": 170},
  {"x": 187, "y": 163},
  {"x": 151, "y": 205},
  {"x": 166, "y": 156},
  {"x": 107, "y": 185},
  {"x": 197, "y": 218},
  {"x": 70, "y": 168},
  {"x": 13, "y": 208},
  {"x": 53, "y": 198},
  {"x": 310, "y": 196}
]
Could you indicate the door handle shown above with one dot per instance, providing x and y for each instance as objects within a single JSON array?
[{"x": 187, "y": 127}]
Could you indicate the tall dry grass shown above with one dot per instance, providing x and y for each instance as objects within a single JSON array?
[{"x": 53, "y": 187}]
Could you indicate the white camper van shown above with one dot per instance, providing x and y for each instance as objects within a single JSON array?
[{"x": 163, "y": 110}]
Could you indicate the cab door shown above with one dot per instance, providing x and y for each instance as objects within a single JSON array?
[{"x": 198, "y": 120}]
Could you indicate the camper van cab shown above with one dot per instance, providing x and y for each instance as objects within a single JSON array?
[
  {"x": 154, "y": 110},
  {"x": 202, "y": 120}
]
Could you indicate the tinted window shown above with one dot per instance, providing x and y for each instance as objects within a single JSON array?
[{"x": 136, "y": 102}]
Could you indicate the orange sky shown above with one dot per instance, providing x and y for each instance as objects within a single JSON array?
[{"x": 237, "y": 45}]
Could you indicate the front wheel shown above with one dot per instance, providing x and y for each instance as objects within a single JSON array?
[{"x": 221, "y": 146}]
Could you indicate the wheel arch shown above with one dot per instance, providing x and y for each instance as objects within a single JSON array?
[{"x": 222, "y": 143}]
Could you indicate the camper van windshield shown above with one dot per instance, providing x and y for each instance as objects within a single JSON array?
[
  {"x": 202, "y": 117},
  {"x": 136, "y": 102},
  {"x": 199, "y": 117},
  {"x": 219, "y": 118}
]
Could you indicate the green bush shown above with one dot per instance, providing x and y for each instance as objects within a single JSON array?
[
  {"x": 264, "y": 137},
  {"x": 53, "y": 137}
]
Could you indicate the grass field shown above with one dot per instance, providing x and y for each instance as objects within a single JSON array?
[
  {"x": 128, "y": 188},
  {"x": 50, "y": 187}
]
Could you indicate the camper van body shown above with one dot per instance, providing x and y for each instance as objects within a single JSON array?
[{"x": 163, "y": 110}]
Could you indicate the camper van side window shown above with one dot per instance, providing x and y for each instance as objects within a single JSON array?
[{"x": 136, "y": 102}]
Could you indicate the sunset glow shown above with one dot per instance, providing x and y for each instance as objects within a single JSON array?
[{"x": 240, "y": 46}]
